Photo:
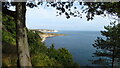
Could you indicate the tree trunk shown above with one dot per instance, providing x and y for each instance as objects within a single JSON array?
[
  {"x": 21, "y": 34},
  {"x": 113, "y": 57}
]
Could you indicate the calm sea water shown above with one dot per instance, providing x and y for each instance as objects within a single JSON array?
[{"x": 79, "y": 44}]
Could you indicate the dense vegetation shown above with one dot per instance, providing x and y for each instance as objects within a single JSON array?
[{"x": 40, "y": 54}]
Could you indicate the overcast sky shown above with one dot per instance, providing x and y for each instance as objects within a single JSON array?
[{"x": 45, "y": 18}]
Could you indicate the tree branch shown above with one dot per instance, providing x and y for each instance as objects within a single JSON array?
[{"x": 8, "y": 12}]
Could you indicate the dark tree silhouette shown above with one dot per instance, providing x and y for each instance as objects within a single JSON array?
[
  {"x": 108, "y": 48},
  {"x": 101, "y": 8}
]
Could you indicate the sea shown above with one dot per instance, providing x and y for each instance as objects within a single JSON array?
[{"x": 79, "y": 44}]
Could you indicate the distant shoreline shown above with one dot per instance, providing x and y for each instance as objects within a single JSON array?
[
  {"x": 44, "y": 30},
  {"x": 46, "y": 35}
]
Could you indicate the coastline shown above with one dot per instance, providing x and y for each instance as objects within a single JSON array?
[
  {"x": 42, "y": 33},
  {"x": 43, "y": 39},
  {"x": 46, "y": 35}
]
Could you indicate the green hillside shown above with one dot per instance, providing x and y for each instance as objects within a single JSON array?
[{"x": 40, "y": 54}]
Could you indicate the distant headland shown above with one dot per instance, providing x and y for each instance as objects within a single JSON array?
[
  {"x": 44, "y": 35},
  {"x": 45, "y": 30}
]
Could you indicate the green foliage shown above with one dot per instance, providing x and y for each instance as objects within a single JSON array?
[
  {"x": 35, "y": 44},
  {"x": 7, "y": 37},
  {"x": 62, "y": 55},
  {"x": 65, "y": 56},
  {"x": 9, "y": 31},
  {"x": 42, "y": 59},
  {"x": 109, "y": 48},
  {"x": 9, "y": 57},
  {"x": 9, "y": 26}
]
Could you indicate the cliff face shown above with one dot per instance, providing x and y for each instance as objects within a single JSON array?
[{"x": 46, "y": 35}]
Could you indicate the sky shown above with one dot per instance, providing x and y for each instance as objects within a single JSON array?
[{"x": 43, "y": 17}]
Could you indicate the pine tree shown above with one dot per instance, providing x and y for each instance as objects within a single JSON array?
[{"x": 108, "y": 48}]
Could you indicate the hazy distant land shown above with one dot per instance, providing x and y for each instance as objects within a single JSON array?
[{"x": 44, "y": 30}]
